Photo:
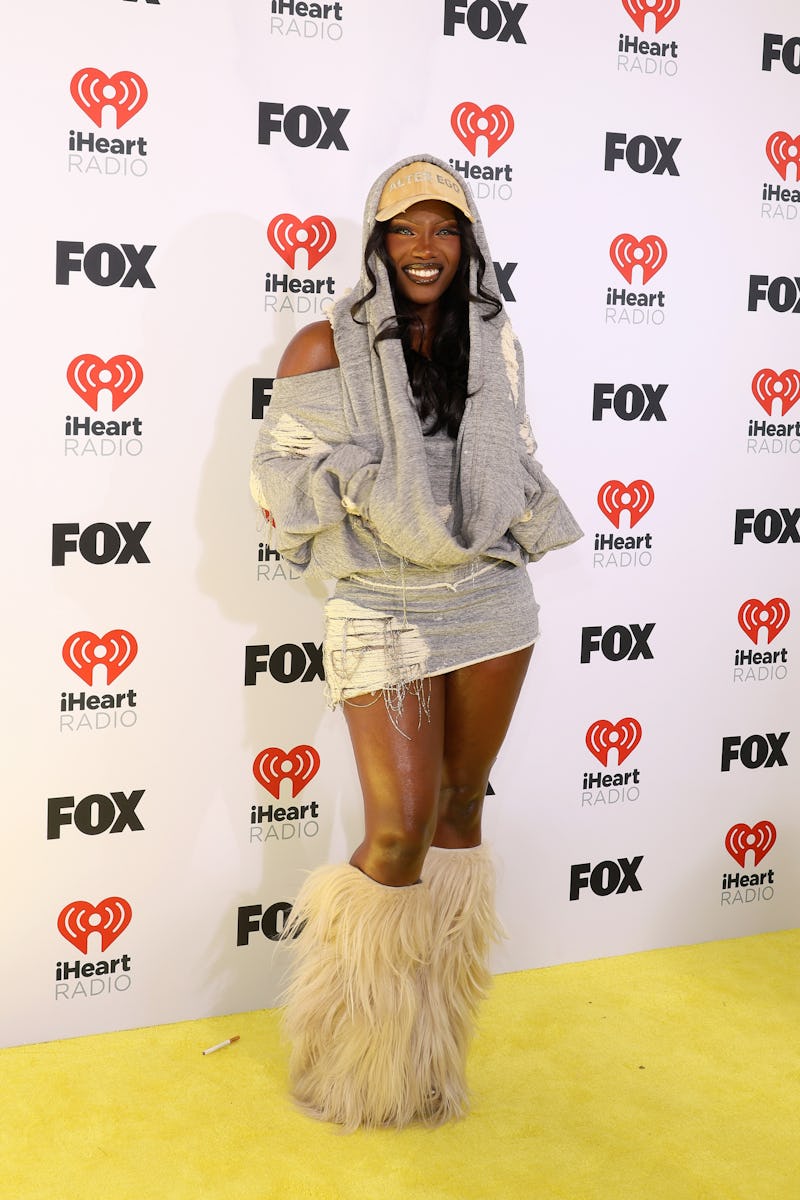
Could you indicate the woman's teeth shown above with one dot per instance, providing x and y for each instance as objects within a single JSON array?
[{"x": 424, "y": 274}]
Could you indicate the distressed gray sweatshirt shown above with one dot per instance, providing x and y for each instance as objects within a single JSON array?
[{"x": 340, "y": 461}]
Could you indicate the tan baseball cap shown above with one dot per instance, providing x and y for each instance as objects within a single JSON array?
[{"x": 420, "y": 181}]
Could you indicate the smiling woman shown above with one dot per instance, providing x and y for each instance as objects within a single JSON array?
[{"x": 397, "y": 457}]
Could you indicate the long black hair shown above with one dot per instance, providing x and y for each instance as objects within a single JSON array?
[{"x": 439, "y": 383}]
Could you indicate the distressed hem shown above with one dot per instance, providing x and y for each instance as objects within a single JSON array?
[{"x": 394, "y": 695}]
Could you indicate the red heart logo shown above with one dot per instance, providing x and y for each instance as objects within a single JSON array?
[
  {"x": 78, "y": 920},
  {"x": 469, "y": 122},
  {"x": 772, "y": 616},
  {"x": 88, "y": 375},
  {"x": 624, "y": 737},
  {"x": 783, "y": 150},
  {"x": 649, "y": 253},
  {"x": 273, "y": 765},
  {"x": 662, "y": 10},
  {"x": 83, "y": 651},
  {"x": 760, "y": 838},
  {"x": 287, "y": 234},
  {"x": 92, "y": 90},
  {"x": 768, "y": 385},
  {"x": 615, "y": 498}
]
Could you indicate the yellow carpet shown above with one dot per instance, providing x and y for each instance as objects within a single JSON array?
[{"x": 673, "y": 1074}]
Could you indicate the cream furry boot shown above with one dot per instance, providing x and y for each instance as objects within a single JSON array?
[
  {"x": 353, "y": 1001},
  {"x": 461, "y": 887}
]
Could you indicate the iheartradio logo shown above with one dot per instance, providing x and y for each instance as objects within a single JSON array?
[
  {"x": 768, "y": 386},
  {"x": 760, "y": 838},
  {"x": 663, "y": 11},
  {"x": 84, "y": 651},
  {"x": 93, "y": 90},
  {"x": 89, "y": 375},
  {"x": 80, "y": 919},
  {"x": 650, "y": 253},
  {"x": 287, "y": 234},
  {"x": 615, "y": 498},
  {"x": 494, "y": 123},
  {"x": 772, "y": 615},
  {"x": 273, "y": 765},
  {"x": 602, "y": 737},
  {"x": 783, "y": 150}
]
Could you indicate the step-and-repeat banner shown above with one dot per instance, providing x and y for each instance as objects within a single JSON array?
[{"x": 184, "y": 191}]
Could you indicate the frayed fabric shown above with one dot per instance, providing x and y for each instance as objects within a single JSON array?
[
  {"x": 367, "y": 650},
  {"x": 390, "y": 633},
  {"x": 353, "y": 1003}
]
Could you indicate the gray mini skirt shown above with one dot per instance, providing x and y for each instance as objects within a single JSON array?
[{"x": 387, "y": 632}]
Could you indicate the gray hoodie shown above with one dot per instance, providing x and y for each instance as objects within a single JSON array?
[{"x": 340, "y": 461}]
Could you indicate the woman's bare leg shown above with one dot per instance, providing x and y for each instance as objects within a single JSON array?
[
  {"x": 429, "y": 785},
  {"x": 400, "y": 781},
  {"x": 479, "y": 703}
]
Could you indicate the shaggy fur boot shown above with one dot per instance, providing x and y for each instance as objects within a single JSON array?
[
  {"x": 461, "y": 887},
  {"x": 353, "y": 1002}
]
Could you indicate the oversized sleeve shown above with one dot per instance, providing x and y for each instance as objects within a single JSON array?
[
  {"x": 309, "y": 470},
  {"x": 546, "y": 523}
]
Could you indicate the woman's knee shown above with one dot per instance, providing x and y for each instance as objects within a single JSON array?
[
  {"x": 461, "y": 806},
  {"x": 394, "y": 852}
]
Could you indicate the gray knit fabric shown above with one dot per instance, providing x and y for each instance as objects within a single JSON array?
[
  {"x": 387, "y": 631},
  {"x": 340, "y": 462}
]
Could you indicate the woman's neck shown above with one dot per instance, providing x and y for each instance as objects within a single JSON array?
[{"x": 424, "y": 330}]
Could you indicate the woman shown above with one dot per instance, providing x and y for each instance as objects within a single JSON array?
[{"x": 397, "y": 458}]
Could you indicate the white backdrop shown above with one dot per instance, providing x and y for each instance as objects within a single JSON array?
[{"x": 141, "y": 849}]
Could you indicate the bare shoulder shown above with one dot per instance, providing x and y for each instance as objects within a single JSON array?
[{"x": 311, "y": 349}]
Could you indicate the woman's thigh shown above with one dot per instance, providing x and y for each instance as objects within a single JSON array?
[{"x": 479, "y": 704}]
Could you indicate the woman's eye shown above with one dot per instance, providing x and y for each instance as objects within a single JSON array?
[
  {"x": 400, "y": 229},
  {"x": 450, "y": 232}
]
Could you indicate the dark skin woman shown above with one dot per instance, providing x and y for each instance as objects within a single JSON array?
[
  {"x": 423, "y": 782},
  {"x": 398, "y": 458}
]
